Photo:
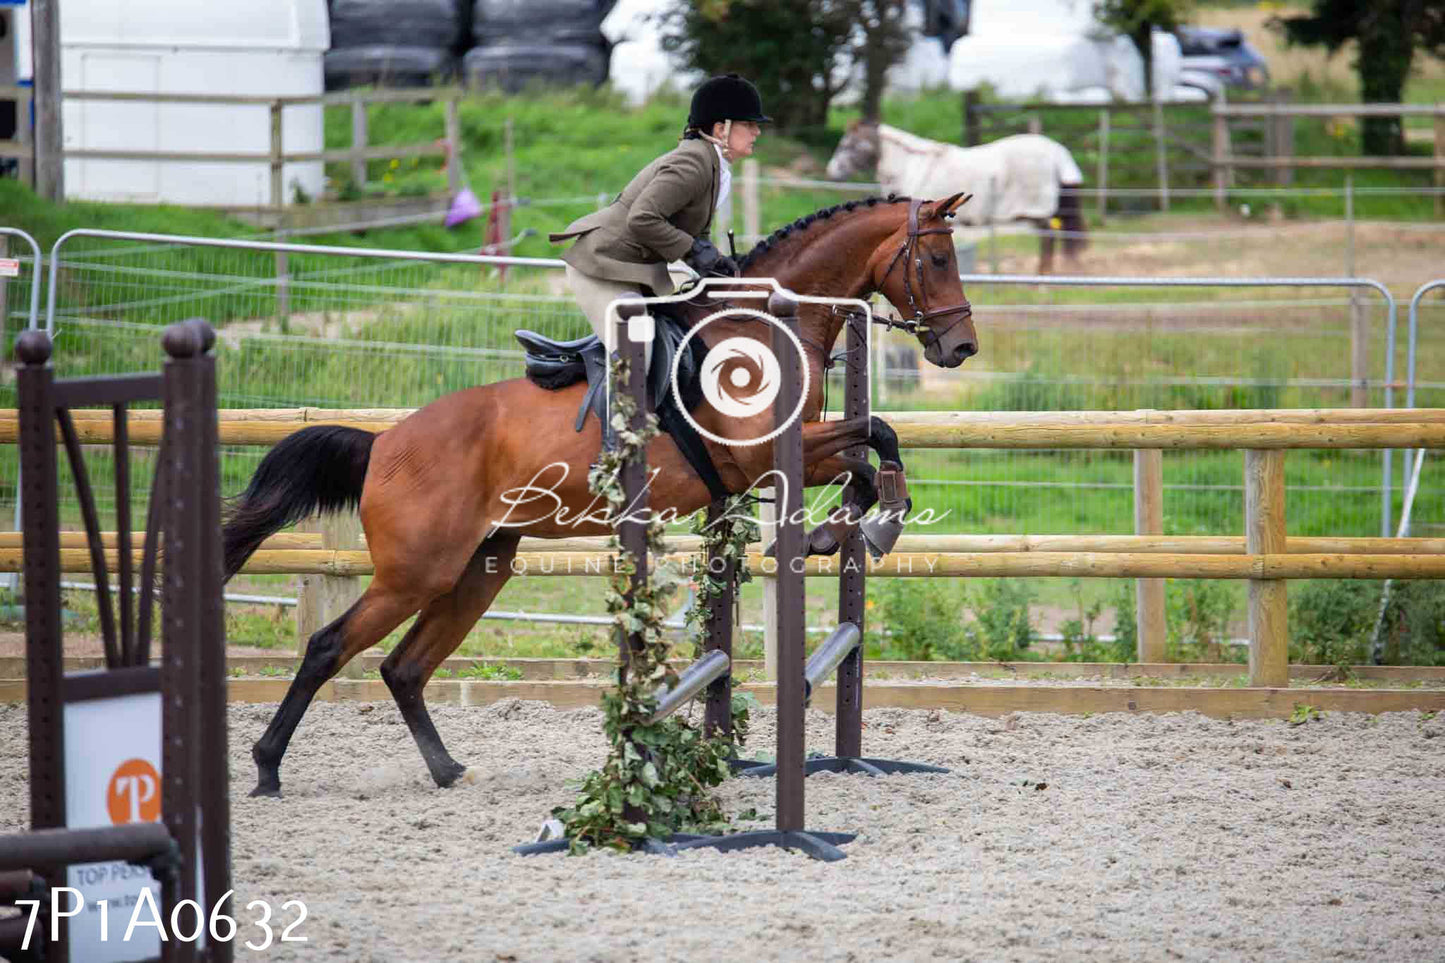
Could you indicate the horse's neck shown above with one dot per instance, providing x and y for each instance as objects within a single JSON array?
[{"x": 851, "y": 242}]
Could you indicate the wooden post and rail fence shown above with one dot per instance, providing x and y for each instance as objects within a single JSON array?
[
  {"x": 1266, "y": 556},
  {"x": 1219, "y": 154},
  {"x": 447, "y": 145}
]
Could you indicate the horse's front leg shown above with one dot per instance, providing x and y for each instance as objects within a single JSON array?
[{"x": 884, "y": 440}]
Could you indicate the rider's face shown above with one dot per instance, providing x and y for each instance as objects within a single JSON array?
[{"x": 741, "y": 138}]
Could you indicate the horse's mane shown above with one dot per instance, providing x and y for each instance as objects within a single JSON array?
[{"x": 768, "y": 243}]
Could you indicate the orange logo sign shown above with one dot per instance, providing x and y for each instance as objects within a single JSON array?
[{"x": 134, "y": 794}]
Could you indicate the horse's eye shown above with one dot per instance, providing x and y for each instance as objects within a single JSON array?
[{"x": 940, "y": 260}]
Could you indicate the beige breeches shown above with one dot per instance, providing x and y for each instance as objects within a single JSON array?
[{"x": 594, "y": 294}]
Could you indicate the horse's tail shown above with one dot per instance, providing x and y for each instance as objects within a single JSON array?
[
  {"x": 1071, "y": 221},
  {"x": 1070, "y": 212},
  {"x": 317, "y": 469}
]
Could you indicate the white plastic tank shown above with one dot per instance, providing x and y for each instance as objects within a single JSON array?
[{"x": 257, "y": 48}]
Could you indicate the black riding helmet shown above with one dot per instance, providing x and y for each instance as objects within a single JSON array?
[{"x": 728, "y": 97}]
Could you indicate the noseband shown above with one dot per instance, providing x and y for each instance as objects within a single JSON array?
[{"x": 918, "y": 324}]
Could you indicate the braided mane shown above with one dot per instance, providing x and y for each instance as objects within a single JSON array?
[{"x": 770, "y": 242}]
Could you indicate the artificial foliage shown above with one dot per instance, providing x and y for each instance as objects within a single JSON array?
[{"x": 659, "y": 776}]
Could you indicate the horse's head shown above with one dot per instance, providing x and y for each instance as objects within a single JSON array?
[
  {"x": 857, "y": 151},
  {"x": 916, "y": 269}
]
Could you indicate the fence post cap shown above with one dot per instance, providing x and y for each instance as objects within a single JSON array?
[
  {"x": 33, "y": 347},
  {"x": 207, "y": 333},
  {"x": 181, "y": 340}
]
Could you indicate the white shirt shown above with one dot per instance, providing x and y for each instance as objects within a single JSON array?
[{"x": 725, "y": 178}]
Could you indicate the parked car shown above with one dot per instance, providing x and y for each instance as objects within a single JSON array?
[{"x": 1225, "y": 54}]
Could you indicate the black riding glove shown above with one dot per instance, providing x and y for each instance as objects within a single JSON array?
[{"x": 706, "y": 259}]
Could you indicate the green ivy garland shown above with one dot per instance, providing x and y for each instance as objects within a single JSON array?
[{"x": 658, "y": 777}]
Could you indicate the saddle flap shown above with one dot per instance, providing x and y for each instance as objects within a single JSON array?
[{"x": 545, "y": 347}]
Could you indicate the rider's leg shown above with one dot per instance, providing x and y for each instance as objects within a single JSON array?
[{"x": 593, "y": 294}]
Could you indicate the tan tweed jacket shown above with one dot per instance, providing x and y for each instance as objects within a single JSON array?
[{"x": 652, "y": 222}]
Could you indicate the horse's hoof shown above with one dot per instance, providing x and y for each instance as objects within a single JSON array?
[
  {"x": 822, "y": 542},
  {"x": 264, "y": 791},
  {"x": 448, "y": 777}
]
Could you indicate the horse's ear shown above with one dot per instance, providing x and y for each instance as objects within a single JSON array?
[{"x": 948, "y": 206}]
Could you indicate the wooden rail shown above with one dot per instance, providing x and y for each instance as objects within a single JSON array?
[
  {"x": 1266, "y": 556},
  {"x": 915, "y": 544},
  {"x": 1274, "y": 429},
  {"x": 448, "y": 145},
  {"x": 1273, "y": 566}
]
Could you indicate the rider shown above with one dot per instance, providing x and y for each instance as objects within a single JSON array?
[{"x": 666, "y": 211}]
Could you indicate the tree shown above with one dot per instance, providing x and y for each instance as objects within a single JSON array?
[
  {"x": 1138, "y": 19},
  {"x": 885, "y": 40},
  {"x": 800, "y": 53},
  {"x": 1388, "y": 33}
]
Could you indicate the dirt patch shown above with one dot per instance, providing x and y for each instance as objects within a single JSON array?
[
  {"x": 1171, "y": 837},
  {"x": 1398, "y": 254}
]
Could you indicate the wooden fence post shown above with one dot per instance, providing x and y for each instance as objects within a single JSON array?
[
  {"x": 1103, "y": 164},
  {"x": 358, "y": 141},
  {"x": 752, "y": 212},
  {"x": 1220, "y": 155},
  {"x": 1284, "y": 135},
  {"x": 970, "y": 118},
  {"x": 321, "y": 599},
  {"x": 454, "y": 144},
  {"x": 1036, "y": 123},
  {"x": 283, "y": 285},
  {"x": 1264, "y": 527},
  {"x": 1439, "y": 162},
  {"x": 49, "y": 135},
  {"x": 278, "y": 187},
  {"x": 1149, "y": 520},
  {"x": 1161, "y": 157}
]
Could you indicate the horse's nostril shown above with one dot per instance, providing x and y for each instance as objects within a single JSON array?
[{"x": 967, "y": 350}]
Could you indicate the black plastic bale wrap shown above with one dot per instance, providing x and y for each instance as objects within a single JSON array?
[
  {"x": 503, "y": 22},
  {"x": 512, "y": 67},
  {"x": 388, "y": 66},
  {"x": 436, "y": 24}
]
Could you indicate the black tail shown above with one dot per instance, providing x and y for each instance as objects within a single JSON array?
[
  {"x": 318, "y": 469},
  {"x": 1071, "y": 218}
]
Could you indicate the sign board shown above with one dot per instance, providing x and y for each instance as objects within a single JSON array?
[
  {"x": 9, "y": 267},
  {"x": 112, "y": 777}
]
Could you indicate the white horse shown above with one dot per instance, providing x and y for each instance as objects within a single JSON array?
[{"x": 1012, "y": 179}]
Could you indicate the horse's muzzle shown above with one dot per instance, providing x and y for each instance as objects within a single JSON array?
[
  {"x": 961, "y": 352},
  {"x": 964, "y": 351}
]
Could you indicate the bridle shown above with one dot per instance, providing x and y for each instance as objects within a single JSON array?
[{"x": 918, "y": 324}]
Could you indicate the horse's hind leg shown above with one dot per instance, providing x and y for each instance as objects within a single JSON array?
[
  {"x": 439, "y": 629},
  {"x": 1046, "y": 248},
  {"x": 366, "y": 623}
]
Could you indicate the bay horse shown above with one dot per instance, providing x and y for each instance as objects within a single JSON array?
[
  {"x": 432, "y": 490},
  {"x": 1020, "y": 178}
]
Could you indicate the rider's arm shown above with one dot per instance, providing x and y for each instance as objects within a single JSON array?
[{"x": 677, "y": 183}]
